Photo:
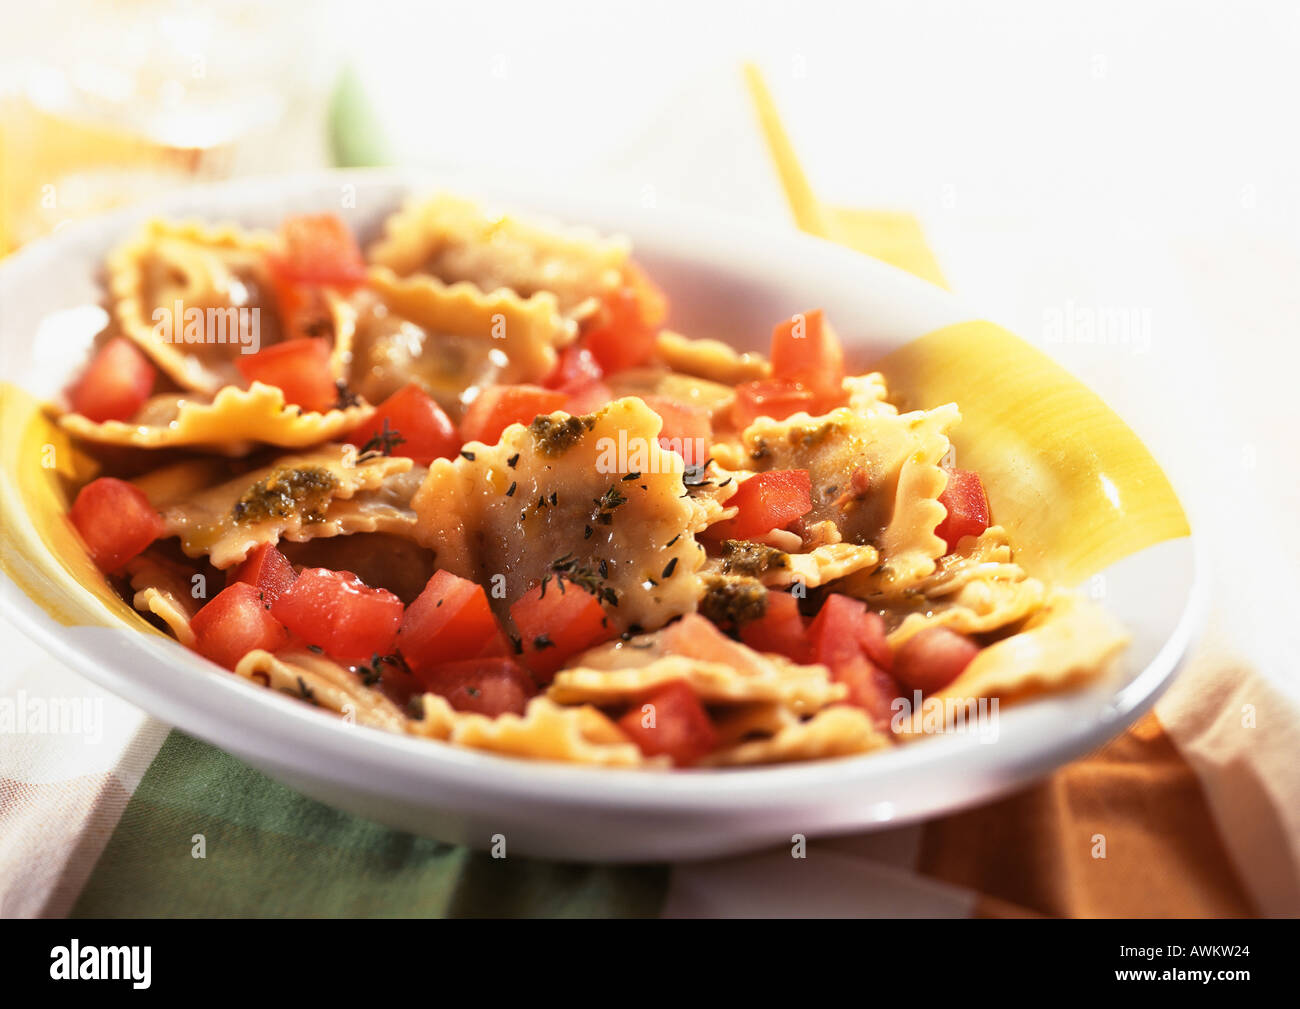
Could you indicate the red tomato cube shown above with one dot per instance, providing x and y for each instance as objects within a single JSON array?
[
  {"x": 673, "y": 721},
  {"x": 499, "y": 406},
  {"x": 850, "y": 640},
  {"x": 767, "y": 501},
  {"x": 115, "y": 384},
  {"x": 427, "y": 433},
  {"x": 338, "y": 612},
  {"x": 556, "y": 620},
  {"x": 779, "y": 398},
  {"x": 781, "y": 629},
  {"x": 115, "y": 520},
  {"x": 968, "y": 507},
  {"x": 931, "y": 659},
  {"x": 449, "y": 621},
  {"x": 588, "y": 399},
  {"x": 267, "y": 570},
  {"x": 806, "y": 350},
  {"x": 652, "y": 304},
  {"x": 687, "y": 430},
  {"x": 843, "y": 627},
  {"x": 299, "y": 368},
  {"x": 490, "y": 686},
  {"x": 235, "y": 622},
  {"x": 319, "y": 249},
  {"x": 576, "y": 369},
  {"x": 621, "y": 337}
]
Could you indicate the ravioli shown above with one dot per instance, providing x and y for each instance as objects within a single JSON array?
[
  {"x": 593, "y": 497},
  {"x": 451, "y": 339},
  {"x": 545, "y": 731},
  {"x": 451, "y": 239},
  {"x": 289, "y": 498},
  {"x": 322, "y": 683},
  {"x": 834, "y": 732},
  {"x": 876, "y": 477},
  {"x": 194, "y": 267},
  {"x": 166, "y": 590},
  {"x": 229, "y": 423},
  {"x": 975, "y": 589},
  {"x": 719, "y": 671},
  {"x": 1067, "y": 641}
]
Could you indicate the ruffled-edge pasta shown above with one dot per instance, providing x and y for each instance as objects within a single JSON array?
[
  {"x": 839, "y": 731},
  {"x": 594, "y": 498},
  {"x": 451, "y": 337},
  {"x": 451, "y": 239},
  {"x": 783, "y": 565},
  {"x": 166, "y": 590},
  {"x": 711, "y": 360},
  {"x": 975, "y": 589},
  {"x": 290, "y": 498},
  {"x": 877, "y": 477},
  {"x": 1066, "y": 643},
  {"x": 763, "y": 678},
  {"x": 201, "y": 267},
  {"x": 545, "y": 731},
  {"x": 322, "y": 683},
  {"x": 229, "y": 423}
]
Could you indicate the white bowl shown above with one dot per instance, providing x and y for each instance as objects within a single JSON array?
[{"x": 726, "y": 279}]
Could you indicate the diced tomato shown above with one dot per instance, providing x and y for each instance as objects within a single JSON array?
[
  {"x": 673, "y": 721},
  {"x": 687, "y": 430},
  {"x": 781, "y": 629},
  {"x": 267, "y": 570},
  {"x": 767, "y": 501},
  {"x": 588, "y": 399},
  {"x": 427, "y": 433},
  {"x": 844, "y": 626},
  {"x": 300, "y": 368},
  {"x": 235, "y": 622},
  {"x": 850, "y": 641},
  {"x": 556, "y": 620},
  {"x": 576, "y": 369},
  {"x": 316, "y": 252},
  {"x": 697, "y": 638},
  {"x": 621, "y": 337},
  {"x": 779, "y": 398},
  {"x": 115, "y": 520},
  {"x": 931, "y": 659},
  {"x": 652, "y": 303},
  {"x": 870, "y": 688},
  {"x": 447, "y": 622},
  {"x": 807, "y": 351},
  {"x": 499, "y": 406},
  {"x": 338, "y": 612},
  {"x": 319, "y": 249},
  {"x": 968, "y": 508},
  {"x": 490, "y": 686},
  {"x": 115, "y": 384}
]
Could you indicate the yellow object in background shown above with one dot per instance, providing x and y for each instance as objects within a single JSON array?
[
  {"x": 892, "y": 237},
  {"x": 1070, "y": 480}
]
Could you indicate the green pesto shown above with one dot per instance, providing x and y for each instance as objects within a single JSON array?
[
  {"x": 286, "y": 492},
  {"x": 741, "y": 557},
  {"x": 731, "y": 601},
  {"x": 555, "y": 437}
]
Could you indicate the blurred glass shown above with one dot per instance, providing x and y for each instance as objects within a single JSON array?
[{"x": 102, "y": 103}]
